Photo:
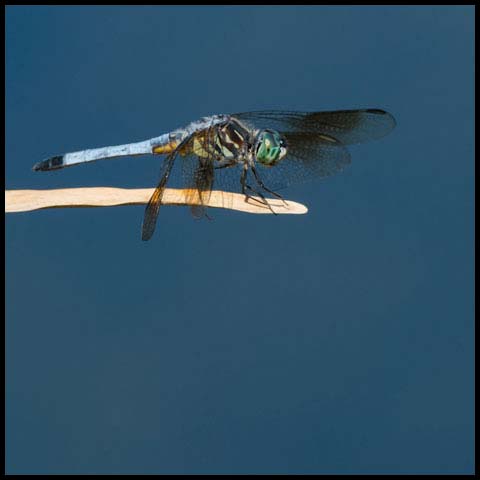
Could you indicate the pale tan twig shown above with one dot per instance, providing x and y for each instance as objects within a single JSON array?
[{"x": 26, "y": 200}]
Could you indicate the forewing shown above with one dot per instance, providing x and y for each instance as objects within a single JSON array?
[
  {"x": 345, "y": 126},
  {"x": 308, "y": 156}
]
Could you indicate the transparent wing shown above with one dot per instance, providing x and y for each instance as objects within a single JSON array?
[
  {"x": 308, "y": 156},
  {"x": 153, "y": 206},
  {"x": 198, "y": 170},
  {"x": 198, "y": 176},
  {"x": 345, "y": 126},
  {"x": 228, "y": 179}
]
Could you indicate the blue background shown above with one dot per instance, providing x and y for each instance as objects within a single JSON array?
[{"x": 340, "y": 341}]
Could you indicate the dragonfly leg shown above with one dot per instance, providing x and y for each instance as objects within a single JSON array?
[
  {"x": 247, "y": 188},
  {"x": 262, "y": 196},
  {"x": 262, "y": 185}
]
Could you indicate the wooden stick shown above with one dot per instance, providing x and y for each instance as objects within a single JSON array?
[{"x": 26, "y": 200}]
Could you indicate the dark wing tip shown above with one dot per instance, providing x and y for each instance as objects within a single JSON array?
[
  {"x": 147, "y": 234},
  {"x": 149, "y": 223},
  {"x": 379, "y": 111},
  {"x": 52, "y": 163}
]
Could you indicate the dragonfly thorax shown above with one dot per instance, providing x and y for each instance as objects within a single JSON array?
[
  {"x": 270, "y": 147},
  {"x": 225, "y": 142}
]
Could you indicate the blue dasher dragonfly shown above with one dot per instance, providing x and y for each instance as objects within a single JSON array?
[{"x": 259, "y": 152}]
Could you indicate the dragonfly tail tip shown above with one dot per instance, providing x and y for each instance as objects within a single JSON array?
[{"x": 51, "y": 163}]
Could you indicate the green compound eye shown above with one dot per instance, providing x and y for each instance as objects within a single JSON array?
[{"x": 270, "y": 147}]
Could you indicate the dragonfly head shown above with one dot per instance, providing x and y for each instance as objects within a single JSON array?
[{"x": 270, "y": 147}]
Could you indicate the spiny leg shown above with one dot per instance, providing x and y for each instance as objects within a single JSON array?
[
  {"x": 246, "y": 187},
  {"x": 262, "y": 185},
  {"x": 264, "y": 200}
]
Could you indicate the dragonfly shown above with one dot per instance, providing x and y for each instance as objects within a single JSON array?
[{"x": 258, "y": 152}]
